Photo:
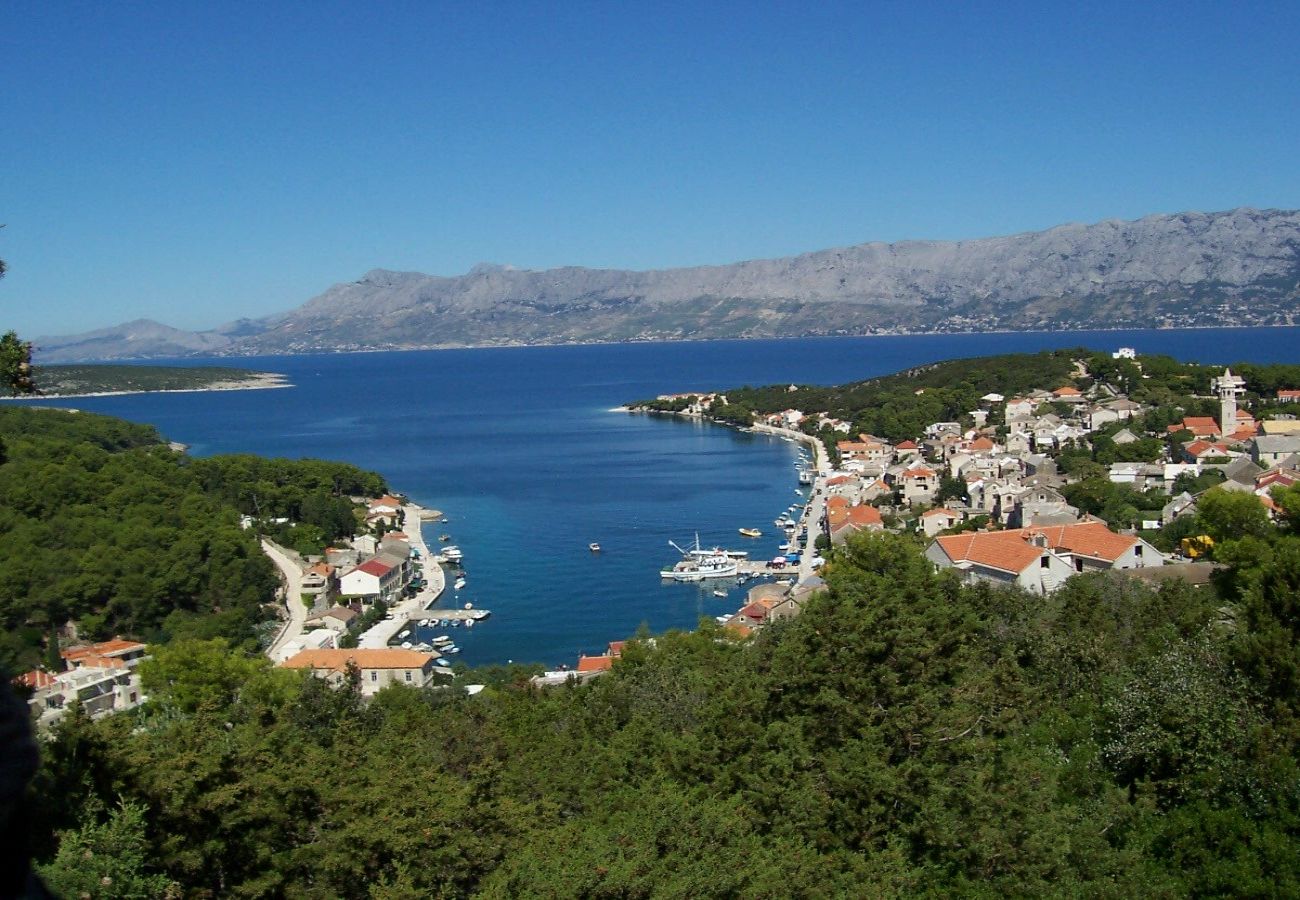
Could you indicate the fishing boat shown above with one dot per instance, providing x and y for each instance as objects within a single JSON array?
[
  {"x": 698, "y": 564},
  {"x": 751, "y": 532},
  {"x": 452, "y": 552},
  {"x": 594, "y": 547}
]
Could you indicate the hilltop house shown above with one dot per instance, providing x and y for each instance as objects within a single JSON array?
[
  {"x": 1040, "y": 559},
  {"x": 378, "y": 667}
]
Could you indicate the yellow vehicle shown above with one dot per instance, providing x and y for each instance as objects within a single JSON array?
[{"x": 1196, "y": 547}]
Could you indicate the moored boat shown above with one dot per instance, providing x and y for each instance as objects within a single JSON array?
[{"x": 751, "y": 532}]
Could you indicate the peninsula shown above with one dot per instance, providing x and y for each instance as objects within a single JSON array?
[{"x": 103, "y": 380}]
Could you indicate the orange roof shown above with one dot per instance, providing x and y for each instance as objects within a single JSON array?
[
  {"x": 616, "y": 648},
  {"x": 756, "y": 611},
  {"x": 864, "y": 515},
  {"x": 837, "y": 502},
  {"x": 115, "y": 647},
  {"x": 1066, "y": 391},
  {"x": 595, "y": 663},
  {"x": 1011, "y": 551},
  {"x": 940, "y": 511},
  {"x": 1199, "y": 422},
  {"x": 981, "y": 443},
  {"x": 906, "y": 445},
  {"x": 364, "y": 657},
  {"x": 35, "y": 679},
  {"x": 918, "y": 472},
  {"x": 1002, "y": 550},
  {"x": 1292, "y": 394},
  {"x": 838, "y": 480},
  {"x": 738, "y": 627},
  {"x": 1092, "y": 539}
]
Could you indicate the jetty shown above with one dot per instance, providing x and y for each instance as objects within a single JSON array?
[{"x": 382, "y": 632}]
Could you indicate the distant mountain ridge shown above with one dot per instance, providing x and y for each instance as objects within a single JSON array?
[{"x": 1236, "y": 267}]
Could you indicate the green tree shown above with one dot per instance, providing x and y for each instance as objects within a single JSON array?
[{"x": 107, "y": 859}]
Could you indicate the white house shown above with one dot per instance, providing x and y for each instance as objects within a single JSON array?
[
  {"x": 378, "y": 667},
  {"x": 1039, "y": 559}
]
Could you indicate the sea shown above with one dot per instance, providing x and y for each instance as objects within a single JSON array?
[{"x": 524, "y": 452}]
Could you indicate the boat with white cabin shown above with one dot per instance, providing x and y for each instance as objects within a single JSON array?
[{"x": 697, "y": 564}]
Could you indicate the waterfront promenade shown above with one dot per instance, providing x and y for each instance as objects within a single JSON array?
[{"x": 410, "y": 607}]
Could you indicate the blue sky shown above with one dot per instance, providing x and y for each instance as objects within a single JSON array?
[{"x": 195, "y": 163}]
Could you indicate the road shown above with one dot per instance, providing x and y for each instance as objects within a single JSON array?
[{"x": 292, "y": 575}]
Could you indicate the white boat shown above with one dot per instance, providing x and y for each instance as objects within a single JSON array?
[
  {"x": 452, "y": 649},
  {"x": 479, "y": 615},
  {"x": 719, "y": 593},
  {"x": 594, "y": 547},
  {"x": 452, "y": 552},
  {"x": 721, "y": 620},
  {"x": 783, "y": 547},
  {"x": 441, "y": 662},
  {"x": 734, "y": 554},
  {"x": 442, "y": 639},
  {"x": 697, "y": 564},
  {"x": 406, "y": 633},
  {"x": 751, "y": 532},
  {"x": 460, "y": 583},
  {"x": 469, "y": 623},
  {"x": 406, "y": 645}
]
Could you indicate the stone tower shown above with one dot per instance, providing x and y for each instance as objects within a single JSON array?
[{"x": 1229, "y": 388}]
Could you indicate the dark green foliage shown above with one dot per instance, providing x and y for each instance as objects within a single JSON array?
[
  {"x": 904, "y": 735},
  {"x": 899, "y": 406},
  {"x": 103, "y": 525}
]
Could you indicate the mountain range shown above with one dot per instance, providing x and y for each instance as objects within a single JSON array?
[{"x": 1240, "y": 267}]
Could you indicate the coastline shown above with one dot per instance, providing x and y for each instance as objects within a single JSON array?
[
  {"x": 742, "y": 339},
  {"x": 263, "y": 382}
]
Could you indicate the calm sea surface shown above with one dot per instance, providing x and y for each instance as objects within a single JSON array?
[{"x": 519, "y": 449}]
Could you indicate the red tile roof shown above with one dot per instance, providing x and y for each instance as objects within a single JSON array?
[
  {"x": 36, "y": 679},
  {"x": 1011, "y": 551},
  {"x": 940, "y": 511},
  {"x": 907, "y": 445},
  {"x": 595, "y": 663},
  {"x": 918, "y": 472},
  {"x": 376, "y": 567}
]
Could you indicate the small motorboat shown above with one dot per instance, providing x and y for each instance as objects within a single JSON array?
[
  {"x": 444, "y": 537},
  {"x": 441, "y": 662},
  {"x": 455, "y": 623},
  {"x": 719, "y": 593},
  {"x": 406, "y": 645},
  {"x": 751, "y": 532},
  {"x": 406, "y": 633},
  {"x": 460, "y": 583},
  {"x": 469, "y": 623},
  {"x": 594, "y": 547},
  {"x": 469, "y": 605}
]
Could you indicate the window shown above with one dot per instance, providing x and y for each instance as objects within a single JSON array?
[
  {"x": 1044, "y": 562},
  {"x": 408, "y": 676},
  {"x": 1078, "y": 564},
  {"x": 1137, "y": 550},
  {"x": 374, "y": 676}
]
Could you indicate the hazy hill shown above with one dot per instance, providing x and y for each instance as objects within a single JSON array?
[{"x": 1236, "y": 267}]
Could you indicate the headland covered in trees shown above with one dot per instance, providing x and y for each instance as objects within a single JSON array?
[
  {"x": 104, "y": 380},
  {"x": 909, "y": 732}
]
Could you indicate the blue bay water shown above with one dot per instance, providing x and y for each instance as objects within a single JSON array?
[{"x": 520, "y": 449}]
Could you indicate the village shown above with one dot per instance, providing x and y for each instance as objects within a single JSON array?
[
  {"x": 341, "y": 612},
  {"x": 988, "y": 497}
]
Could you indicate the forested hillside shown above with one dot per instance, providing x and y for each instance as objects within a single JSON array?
[
  {"x": 105, "y": 527},
  {"x": 904, "y": 735}
]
